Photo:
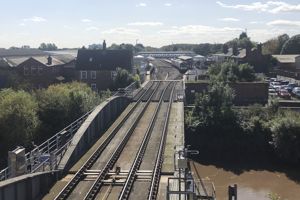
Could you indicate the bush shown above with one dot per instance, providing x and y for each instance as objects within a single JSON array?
[
  {"x": 286, "y": 136},
  {"x": 61, "y": 104},
  {"x": 18, "y": 119},
  {"x": 231, "y": 71}
]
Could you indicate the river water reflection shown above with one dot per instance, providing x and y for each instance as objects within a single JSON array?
[{"x": 252, "y": 184}]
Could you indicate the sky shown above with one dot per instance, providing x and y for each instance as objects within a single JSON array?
[{"x": 74, "y": 23}]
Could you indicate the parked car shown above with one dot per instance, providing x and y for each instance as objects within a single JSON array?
[
  {"x": 297, "y": 93},
  {"x": 284, "y": 94},
  {"x": 290, "y": 87},
  {"x": 282, "y": 82},
  {"x": 272, "y": 93},
  {"x": 295, "y": 90}
]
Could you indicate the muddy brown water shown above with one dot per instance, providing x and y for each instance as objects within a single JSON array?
[{"x": 252, "y": 184}]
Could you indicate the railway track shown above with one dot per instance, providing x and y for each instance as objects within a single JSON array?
[
  {"x": 100, "y": 178},
  {"x": 141, "y": 158},
  {"x": 67, "y": 190},
  {"x": 99, "y": 182}
]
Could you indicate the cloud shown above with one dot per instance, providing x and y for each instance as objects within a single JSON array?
[
  {"x": 146, "y": 24},
  {"x": 199, "y": 29},
  {"x": 284, "y": 23},
  {"x": 35, "y": 19},
  {"x": 168, "y": 4},
  {"x": 86, "y": 20},
  {"x": 269, "y": 6},
  {"x": 122, "y": 31},
  {"x": 256, "y": 22},
  {"x": 229, "y": 19},
  {"x": 141, "y": 5},
  {"x": 22, "y": 24},
  {"x": 92, "y": 28}
]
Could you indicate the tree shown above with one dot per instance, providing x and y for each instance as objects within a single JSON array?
[
  {"x": 274, "y": 45},
  {"x": 214, "y": 107},
  {"x": 225, "y": 48},
  {"x": 286, "y": 136},
  {"x": 48, "y": 47},
  {"x": 243, "y": 35},
  {"x": 18, "y": 119},
  {"x": 292, "y": 46},
  {"x": 231, "y": 71},
  {"x": 235, "y": 50},
  {"x": 61, "y": 104}
]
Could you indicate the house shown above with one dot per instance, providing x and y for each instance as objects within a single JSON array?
[
  {"x": 98, "y": 67},
  {"x": 253, "y": 56},
  {"x": 36, "y": 68},
  {"x": 288, "y": 62}
]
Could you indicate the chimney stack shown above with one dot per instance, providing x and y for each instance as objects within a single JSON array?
[
  {"x": 49, "y": 60},
  {"x": 104, "y": 45}
]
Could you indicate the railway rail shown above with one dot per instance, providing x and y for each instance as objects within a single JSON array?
[
  {"x": 98, "y": 183},
  {"x": 67, "y": 190}
]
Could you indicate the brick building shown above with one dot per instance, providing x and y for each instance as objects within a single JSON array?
[
  {"x": 33, "y": 67},
  {"x": 98, "y": 67}
]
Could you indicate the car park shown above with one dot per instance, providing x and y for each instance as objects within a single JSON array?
[{"x": 295, "y": 90}]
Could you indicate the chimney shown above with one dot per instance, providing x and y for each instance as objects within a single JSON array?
[
  {"x": 49, "y": 60},
  {"x": 104, "y": 45}
]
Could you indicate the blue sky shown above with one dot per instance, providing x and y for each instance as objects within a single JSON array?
[{"x": 74, "y": 23}]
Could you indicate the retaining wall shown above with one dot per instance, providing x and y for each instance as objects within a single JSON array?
[
  {"x": 92, "y": 129},
  {"x": 246, "y": 93},
  {"x": 27, "y": 187}
]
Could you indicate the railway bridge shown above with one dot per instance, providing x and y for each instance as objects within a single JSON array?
[{"x": 129, "y": 147}]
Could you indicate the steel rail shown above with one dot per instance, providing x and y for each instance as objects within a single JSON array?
[
  {"x": 94, "y": 189},
  {"x": 141, "y": 152},
  {"x": 67, "y": 190},
  {"x": 159, "y": 158}
]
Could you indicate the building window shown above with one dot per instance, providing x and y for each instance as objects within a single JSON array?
[
  {"x": 26, "y": 71},
  {"x": 94, "y": 86},
  {"x": 40, "y": 70},
  {"x": 91, "y": 59},
  {"x": 83, "y": 74},
  {"x": 93, "y": 74},
  {"x": 34, "y": 70}
]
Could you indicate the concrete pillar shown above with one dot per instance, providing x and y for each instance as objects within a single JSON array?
[{"x": 17, "y": 161}]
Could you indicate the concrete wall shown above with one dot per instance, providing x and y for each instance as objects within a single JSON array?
[
  {"x": 93, "y": 127},
  {"x": 27, "y": 187},
  {"x": 246, "y": 93}
]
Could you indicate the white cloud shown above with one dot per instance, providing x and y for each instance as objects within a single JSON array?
[
  {"x": 35, "y": 19},
  {"x": 229, "y": 19},
  {"x": 200, "y": 29},
  {"x": 256, "y": 22},
  {"x": 122, "y": 31},
  {"x": 92, "y": 28},
  {"x": 86, "y": 20},
  {"x": 22, "y": 24},
  {"x": 141, "y": 5},
  {"x": 145, "y": 24},
  {"x": 168, "y": 4},
  {"x": 284, "y": 23},
  {"x": 269, "y": 6}
]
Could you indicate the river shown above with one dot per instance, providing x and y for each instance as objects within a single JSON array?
[{"x": 253, "y": 184}]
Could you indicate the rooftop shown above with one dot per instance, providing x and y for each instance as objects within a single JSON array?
[{"x": 286, "y": 58}]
